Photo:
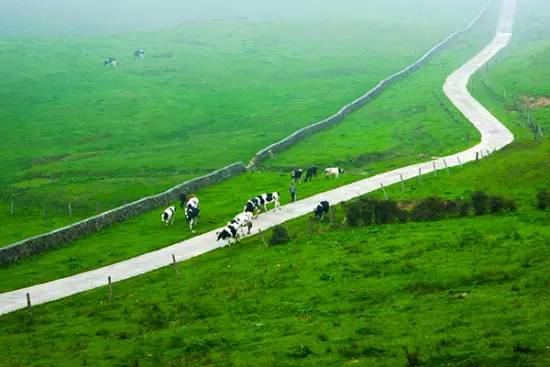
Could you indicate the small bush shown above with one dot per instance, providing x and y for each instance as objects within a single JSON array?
[
  {"x": 279, "y": 236},
  {"x": 301, "y": 351},
  {"x": 429, "y": 209},
  {"x": 464, "y": 208},
  {"x": 543, "y": 200},
  {"x": 413, "y": 357},
  {"x": 480, "y": 201}
]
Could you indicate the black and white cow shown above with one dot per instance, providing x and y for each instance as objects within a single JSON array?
[
  {"x": 259, "y": 203},
  {"x": 229, "y": 234},
  {"x": 296, "y": 175},
  {"x": 110, "y": 61},
  {"x": 333, "y": 172},
  {"x": 192, "y": 209},
  {"x": 168, "y": 215},
  {"x": 310, "y": 173},
  {"x": 139, "y": 53},
  {"x": 242, "y": 221},
  {"x": 321, "y": 209}
]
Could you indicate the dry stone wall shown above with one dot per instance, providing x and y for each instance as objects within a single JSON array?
[
  {"x": 38, "y": 244},
  {"x": 359, "y": 102}
]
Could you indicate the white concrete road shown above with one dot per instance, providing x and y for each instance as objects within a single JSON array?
[{"x": 494, "y": 137}]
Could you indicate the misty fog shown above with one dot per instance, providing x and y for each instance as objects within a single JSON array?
[{"x": 88, "y": 17}]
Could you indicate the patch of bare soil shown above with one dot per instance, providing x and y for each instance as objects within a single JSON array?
[{"x": 536, "y": 101}]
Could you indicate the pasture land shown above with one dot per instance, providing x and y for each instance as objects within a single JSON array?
[
  {"x": 420, "y": 130},
  {"x": 468, "y": 292},
  {"x": 208, "y": 93}
]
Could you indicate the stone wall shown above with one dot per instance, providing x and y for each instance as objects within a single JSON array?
[
  {"x": 359, "y": 102},
  {"x": 38, "y": 244}
]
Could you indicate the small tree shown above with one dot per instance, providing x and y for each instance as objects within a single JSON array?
[{"x": 279, "y": 236}]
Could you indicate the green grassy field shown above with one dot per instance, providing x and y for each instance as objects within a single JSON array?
[
  {"x": 465, "y": 292},
  {"x": 413, "y": 120},
  {"x": 207, "y": 94}
]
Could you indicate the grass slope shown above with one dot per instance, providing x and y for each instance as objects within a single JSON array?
[
  {"x": 410, "y": 131},
  {"x": 207, "y": 94}
]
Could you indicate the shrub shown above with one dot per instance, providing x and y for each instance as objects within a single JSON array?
[
  {"x": 429, "y": 209},
  {"x": 301, "y": 351},
  {"x": 279, "y": 236},
  {"x": 464, "y": 208},
  {"x": 498, "y": 204},
  {"x": 543, "y": 200},
  {"x": 413, "y": 357},
  {"x": 387, "y": 211},
  {"x": 480, "y": 202}
]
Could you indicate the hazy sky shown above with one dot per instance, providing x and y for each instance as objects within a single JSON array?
[{"x": 77, "y": 17}]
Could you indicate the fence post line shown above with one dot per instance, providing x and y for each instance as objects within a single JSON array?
[
  {"x": 29, "y": 306},
  {"x": 459, "y": 161},
  {"x": 419, "y": 173},
  {"x": 110, "y": 288},
  {"x": 12, "y": 204},
  {"x": 175, "y": 265},
  {"x": 70, "y": 209},
  {"x": 402, "y": 182},
  {"x": 477, "y": 156},
  {"x": 97, "y": 207},
  {"x": 435, "y": 170},
  {"x": 384, "y": 191}
]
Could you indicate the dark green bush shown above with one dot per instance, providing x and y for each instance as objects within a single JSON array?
[
  {"x": 430, "y": 209},
  {"x": 367, "y": 211},
  {"x": 480, "y": 202},
  {"x": 279, "y": 236},
  {"x": 543, "y": 199}
]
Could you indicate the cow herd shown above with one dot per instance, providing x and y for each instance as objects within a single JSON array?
[
  {"x": 111, "y": 61},
  {"x": 241, "y": 224}
]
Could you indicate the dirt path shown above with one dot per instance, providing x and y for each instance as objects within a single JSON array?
[{"x": 494, "y": 136}]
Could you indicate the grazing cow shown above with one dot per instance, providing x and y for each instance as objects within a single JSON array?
[
  {"x": 333, "y": 172},
  {"x": 242, "y": 221},
  {"x": 168, "y": 215},
  {"x": 321, "y": 209},
  {"x": 310, "y": 173},
  {"x": 192, "y": 209},
  {"x": 252, "y": 206},
  {"x": 228, "y": 234},
  {"x": 110, "y": 61},
  {"x": 139, "y": 54},
  {"x": 296, "y": 175}
]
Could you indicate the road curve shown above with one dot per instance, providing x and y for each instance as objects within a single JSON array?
[{"x": 494, "y": 136}]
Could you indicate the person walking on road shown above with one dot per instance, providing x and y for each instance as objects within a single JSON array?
[{"x": 293, "y": 193}]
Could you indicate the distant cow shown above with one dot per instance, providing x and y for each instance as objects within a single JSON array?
[
  {"x": 333, "y": 172},
  {"x": 310, "y": 173},
  {"x": 139, "y": 54},
  {"x": 192, "y": 209},
  {"x": 242, "y": 221},
  {"x": 296, "y": 175},
  {"x": 229, "y": 234},
  {"x": 110, "y": 61},
  {"x": 321, "y": 209},
  {"x": 168, "y": 215}
]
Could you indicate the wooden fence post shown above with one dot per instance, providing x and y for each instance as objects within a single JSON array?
[
  {"x": 110, "y": 288},
  {"x": 262, "y": 236},
  {"x": 384, "y": 190},
  {"x": 477, "y": 156},
  {"x": 402, "y": 182},
  {"x": 12, "y": 204},
  {"x": 175, "y": 266},
  {"x": 97, "y": 207},
  {"x": 435, "y": 170},
  {"x": 419, "y": 174},
  {"x": 70, "y": 209},
  {"x": 459, "y": 161},
  {"x": 29, "y": 306},
  {"x": 446, "y": 166}
]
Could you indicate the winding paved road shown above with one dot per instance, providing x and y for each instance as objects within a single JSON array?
[{"x": 494, "y": 136}]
